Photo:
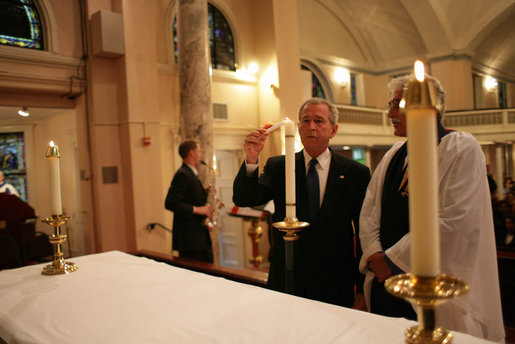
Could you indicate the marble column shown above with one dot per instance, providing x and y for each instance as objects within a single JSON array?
[{"x": 196, "y": 119}]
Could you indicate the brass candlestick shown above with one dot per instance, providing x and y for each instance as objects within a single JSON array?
[
  {"x": 427, "y": 293},
  {"x": 59, "y": 266},
  {"x": 290, "y": 226},
  {"x": 255, "y": 233}
]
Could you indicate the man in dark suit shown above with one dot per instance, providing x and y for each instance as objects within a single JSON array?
[
  {"x": 326, "y": 255},
  {"x": 187, "y": 199}
]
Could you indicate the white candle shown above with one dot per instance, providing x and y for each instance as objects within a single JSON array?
[
  {"x": 423, "y": 187},
  {"x": 290, "y": 167},
  {"x": 275, "y": 126},
  {"x": 55, "y": 182}
]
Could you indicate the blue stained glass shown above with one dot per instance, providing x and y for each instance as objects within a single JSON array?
[
  {"x": 20, "y": 25},
  {"x": 221, "y": 40},
  {"x": 316, "y": 85},
  {"x": 13, "y": 161}
]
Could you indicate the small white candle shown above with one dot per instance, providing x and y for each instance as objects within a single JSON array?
[
  {"x": 55, "y": 181},
  {"x": 290, "y": 167},
  {"x": 275, "y": 126},
  {"x": 423, "y": 187}
]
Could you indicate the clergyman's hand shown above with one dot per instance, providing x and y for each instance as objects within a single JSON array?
[
  {"x": 379, "y": 266},
  {"x": 253, "y": 145}
]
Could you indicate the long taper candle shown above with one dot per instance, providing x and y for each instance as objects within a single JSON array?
[
  {"x": 290, "y": 167},
  {"x": 422, "y": 175},
  {"x": 53, "y": 157}
]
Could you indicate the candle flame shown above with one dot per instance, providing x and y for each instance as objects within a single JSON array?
[
  {"x": 51, "y": 144},
  {"x": 419, "y": 70}
]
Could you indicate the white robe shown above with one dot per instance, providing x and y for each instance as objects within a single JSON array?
[
  {"x": 8, "y": 188},
  {"x": 467, "y": 241}
]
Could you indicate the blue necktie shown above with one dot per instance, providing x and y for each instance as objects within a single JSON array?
[{"x": 313, "y": 187}]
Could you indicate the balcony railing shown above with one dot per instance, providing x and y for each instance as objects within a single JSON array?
[{"x": 491, "y": 124}]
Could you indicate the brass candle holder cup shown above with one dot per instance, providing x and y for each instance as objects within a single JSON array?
[
  {"x": 59, "y": 266},
  {"x": 290, "y": 226},
  {"x": 427, "y": 293}
]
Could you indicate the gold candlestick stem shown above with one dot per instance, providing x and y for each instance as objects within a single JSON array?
[
  {"x": 427, "y": 293},
  {"x": 59, "y": 266}
]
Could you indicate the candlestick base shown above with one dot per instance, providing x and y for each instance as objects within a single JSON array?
[
  {"x": 59, "y": 266},
  {"x": 427, "y": 293}
]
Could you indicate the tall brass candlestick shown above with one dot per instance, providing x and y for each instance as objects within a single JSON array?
[
  {"x": 425, "y": 286},
  {"x": 59, "y": 265}
]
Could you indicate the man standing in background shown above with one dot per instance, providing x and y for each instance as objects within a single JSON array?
[{"x": 187, "y": 199}]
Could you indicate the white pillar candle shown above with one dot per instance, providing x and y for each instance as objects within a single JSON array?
[
  {"x": 55, "y": 181},
  {"x": 423, "y": 188},
  {"x": 290, "y": 167}
]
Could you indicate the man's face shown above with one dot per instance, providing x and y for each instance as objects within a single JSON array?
[
  {"x": 197, "y": 156},
  {"x": 315, "y": 129},
  {"x": 398, "y": 118}
]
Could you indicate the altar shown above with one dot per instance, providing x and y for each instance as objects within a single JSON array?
[{"x": 115, "y": 297}]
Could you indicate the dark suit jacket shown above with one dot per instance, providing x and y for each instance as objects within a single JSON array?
[
  {"x": 326, "y": 268},
  {"x": 186, "y": 191}
]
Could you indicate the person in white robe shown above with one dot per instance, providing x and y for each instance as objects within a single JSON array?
[
  {"x": 6, "y": 187},
  {"x": 467, "y": 241}
]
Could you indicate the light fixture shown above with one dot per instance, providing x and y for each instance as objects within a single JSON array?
[
  {"x": 24, "y": 112},
  {"x": 490, "y": 83},
  {"x": 341, "y": 76},
  {"x": 253, "y": 68}
]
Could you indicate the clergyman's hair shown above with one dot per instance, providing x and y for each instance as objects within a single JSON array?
[
  {"x": 186, "y": 147},
  {"x": 333, "y": 111},
  {"x": 401, "y": 82}
]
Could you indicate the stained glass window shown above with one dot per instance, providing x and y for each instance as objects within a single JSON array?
[
  {"x": 20, "y": 25},
  {"x": 316, "y": 85},
  {"x": 353, "y": 97},
  {"x": 221, "y": 41},
  {"x": 12, "y": 161}
]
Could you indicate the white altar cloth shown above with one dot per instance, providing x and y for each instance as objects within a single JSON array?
[{"x": 118, "y": 298}]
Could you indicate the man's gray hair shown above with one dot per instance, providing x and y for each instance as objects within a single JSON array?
[
  {"x": 333, "y": 111},
  {"x": 400, "y": 82}
]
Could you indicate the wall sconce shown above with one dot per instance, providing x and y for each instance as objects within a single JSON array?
[
  {"x": 275, "y": 89},
  {"x": 253, "y": 68},
  {"x": 342, "y": 77},
  {"x": 24, "y": 112},
  {"x": 490, "y": 83}
]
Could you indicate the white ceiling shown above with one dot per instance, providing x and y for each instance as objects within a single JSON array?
[{"x": 382, "y": 35}]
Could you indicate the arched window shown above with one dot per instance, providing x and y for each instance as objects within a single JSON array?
[
  {"x": 20, "y": 25},
  {"x": 316, "y": 85},
  {"x": 221, "y": 40}
]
